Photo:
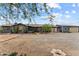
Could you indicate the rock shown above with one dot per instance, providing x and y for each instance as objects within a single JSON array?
[{"x": 57, "y": 52}]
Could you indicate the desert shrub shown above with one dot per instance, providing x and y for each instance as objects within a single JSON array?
[
  {"x": 46, "y": 28},
  {"x": 14, "y": 30},
  {"x": 1, "y": 30},
  {"x": 13, "y": 54},
  {"x": 23, "y": 55},
  {"x": 4, "y": 54}
]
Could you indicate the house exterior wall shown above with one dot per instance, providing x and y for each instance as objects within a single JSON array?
[
  {"x": 65, "y": 29},
  {"x": 20, "y": 28},
  {"x": 59, "y": 29},
  {"x": 1, "y": 29},
  {"x": 14, "y": 29},
  {"x": 34, "y": 29},
  {"x": 39, "y": 29},
  {"x": 73, "y": 29},
  {"x": 62, "y": 29},
  {"x": 6, "y": 29},
  {"x": 54, "y": 30}
]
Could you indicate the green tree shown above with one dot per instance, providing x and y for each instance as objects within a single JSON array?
[{"x": 46, "y": 28}]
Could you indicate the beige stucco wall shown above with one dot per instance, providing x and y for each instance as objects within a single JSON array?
[
  {"x": 22, "y": 28},
  {"x": 54, "y": 29},
  {"x": 73, "y": 29}
]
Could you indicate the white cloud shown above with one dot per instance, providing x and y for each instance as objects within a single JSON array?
[
  {"x": 73, "y": 5},
  {"x": 67, "y": 16},
  {"x": 54, "y": 5},
  {"x": 66, "y": 12},
  {"x": 73, "y": 11},
  {"x": 55, "y": 14},
  {"x": 61, "y": 14},
  {"x": 1, "y": 17},
  {"x": 78, "y": 4}
]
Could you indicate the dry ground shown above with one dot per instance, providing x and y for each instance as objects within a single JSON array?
[{"x": 39, "y": 44}]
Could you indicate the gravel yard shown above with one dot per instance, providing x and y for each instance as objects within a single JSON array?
[{"x": 39, "y": 44}]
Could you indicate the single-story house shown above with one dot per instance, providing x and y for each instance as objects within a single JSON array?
[
  {"x": 67, "y": 28},
  {"x": 34, "y": 28},
  {"x": 5, "y": 28},
  {"x": 22, "y": 28},
  {"x": 19, "y": 28}
]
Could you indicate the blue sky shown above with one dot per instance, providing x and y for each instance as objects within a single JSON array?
[{"x": 66, "y": 14}]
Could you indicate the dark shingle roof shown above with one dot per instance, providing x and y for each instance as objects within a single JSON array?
[{"x": 34, "y": 25}]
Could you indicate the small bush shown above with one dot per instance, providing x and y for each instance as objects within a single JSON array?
[
  {"x": 13, "y": 54},
  {"x": 1, "y": 30},
  {"x": 4, "y": 54},
  {"x": 46, "y": 28}
]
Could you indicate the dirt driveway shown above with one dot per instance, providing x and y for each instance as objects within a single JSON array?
[{"x": 39, "y": 44}]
